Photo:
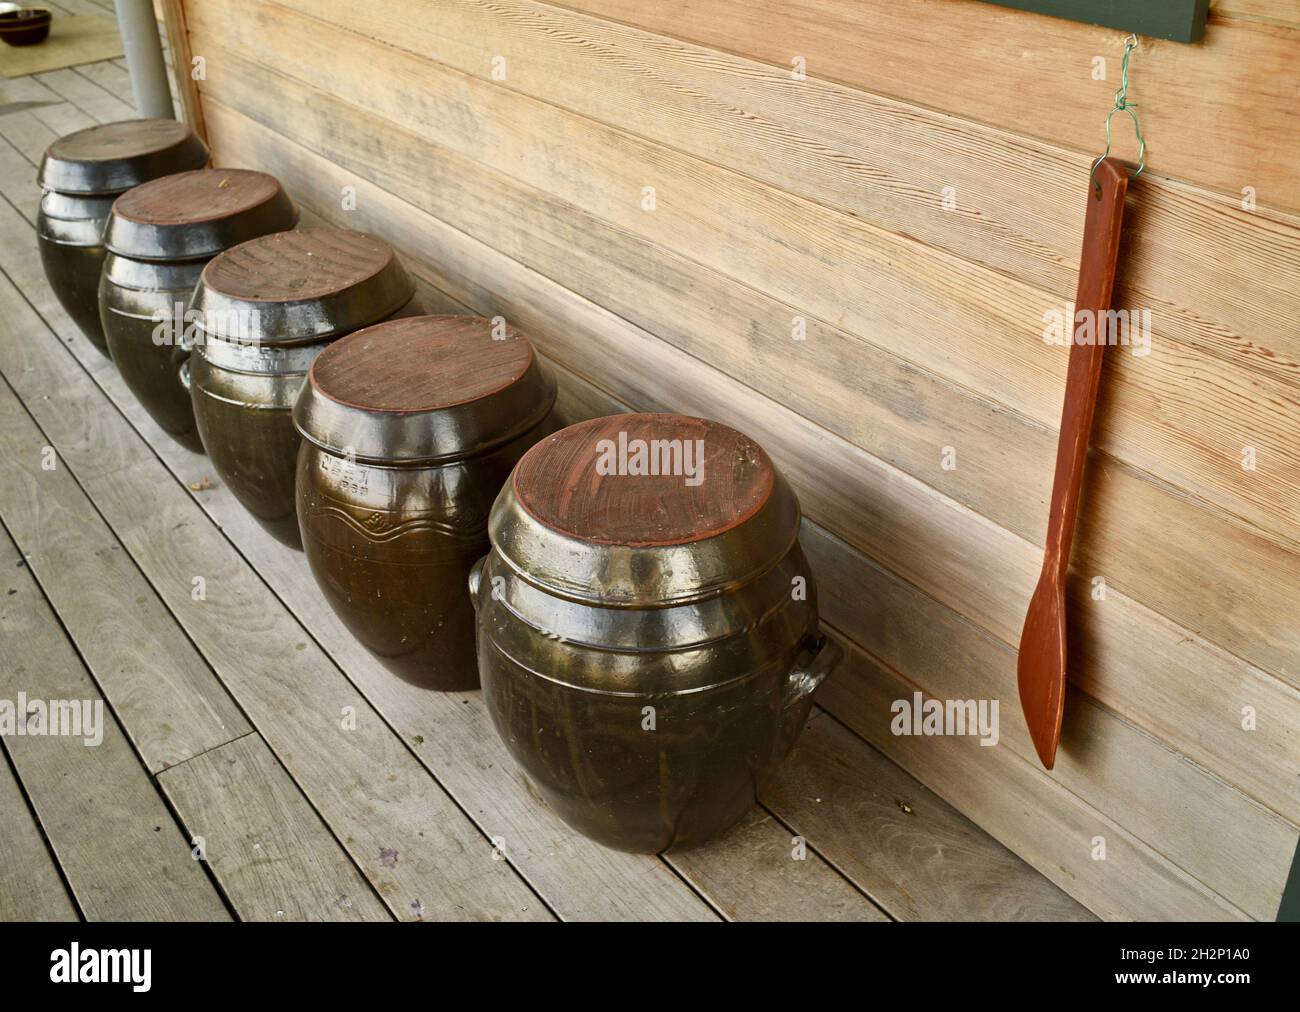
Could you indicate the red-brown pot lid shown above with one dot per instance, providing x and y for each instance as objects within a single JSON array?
[
  {"x": 644, "y": 508},
  {"x": 190, "y": 215},
  {"x": 424, "y": 389},
  {"x": 299, "y": 287},
  {"x": 113, "y": 157}
]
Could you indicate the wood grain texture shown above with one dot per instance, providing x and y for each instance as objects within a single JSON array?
[
  {"x": 561, "y": 482},
  {"x": 1134, "y": 658},
  {"x": 271, "y": 853},
  {"x": 1281, "y": 11},
  {"x": 758, "y": 859},
  {"x": 920, "y": 857},
  {"x": 1235, "y": 845},
  {"x": 888, "y": 47},
  {"x": 122, "y": 853},
  {"x": 1032, "y": 815},
  {"x": 1210, "y": 271},
  {"x": 874, "y": 397},
  {"x": 312, "y": 263},
  {"x": 30, "y": 886},
  {"x": 130, "y": 138},
  {"x": 421, "y": 363},
  {"x": 203, "y": 195}
]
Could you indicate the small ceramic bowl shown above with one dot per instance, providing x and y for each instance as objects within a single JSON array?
[{"x": 25, "y": 27}]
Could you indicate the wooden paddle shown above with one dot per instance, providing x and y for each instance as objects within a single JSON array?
[{"x": 1040, "y": 669}]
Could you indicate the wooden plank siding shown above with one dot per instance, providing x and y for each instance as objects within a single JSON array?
[
  {"x": 822, "y": 199},
  {"x": 1007, "y": 67}
]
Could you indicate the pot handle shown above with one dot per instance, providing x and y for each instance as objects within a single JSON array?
[
  {"x": 800, "y": 685},
  {"x": 475, "y": 578}
]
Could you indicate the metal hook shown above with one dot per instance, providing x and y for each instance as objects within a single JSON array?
[{"x": 1122, "y": 104}]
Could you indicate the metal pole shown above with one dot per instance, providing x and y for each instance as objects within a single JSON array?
[{"x": 144, "y": 59}]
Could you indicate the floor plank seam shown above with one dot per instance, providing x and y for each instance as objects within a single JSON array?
[
  {"x": 814, "y": 849},
  {"x": 7, "y": 758},
  {"x": 212, "y": 748}
]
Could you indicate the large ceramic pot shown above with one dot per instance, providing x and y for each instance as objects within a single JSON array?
[
  {"x": 409, "y": 430},
  {"x": 261, "y": 313},
  {"x": 159, "y": 237},
  {"x": 82, "y": 174},
  {"x": 647, "y": 626}
]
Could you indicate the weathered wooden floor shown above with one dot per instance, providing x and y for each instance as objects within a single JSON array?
[{"x": 243, "y": 720}]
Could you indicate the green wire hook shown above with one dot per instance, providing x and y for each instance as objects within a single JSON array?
[{"x": 1122, "y": 104}]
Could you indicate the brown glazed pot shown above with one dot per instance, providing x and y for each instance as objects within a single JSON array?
[
  {"x": 159, "y": 237},
  {"x": 409, "y": 430},
  {"x": 648, "y": 641},
  {"x": 81, "y": 175},
  {"x": 261, "y": 313}
]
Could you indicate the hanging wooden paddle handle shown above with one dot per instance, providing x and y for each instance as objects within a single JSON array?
[{"x": 1041, "y": 666}]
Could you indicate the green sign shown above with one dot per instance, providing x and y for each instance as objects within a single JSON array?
[{"x": 1180, "y": 20}]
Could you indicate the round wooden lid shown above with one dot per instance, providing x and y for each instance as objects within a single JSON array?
[
  {"x": 423, "y": 388},
  {"x": 303, "y": 286},
  {"x": 113, "y": 157},
  {"x": 421, "y": 363},
  {"x": 644, "y": 480},
  {"x": 196, "y": 214},
  {"x": 311, "y": 263}
]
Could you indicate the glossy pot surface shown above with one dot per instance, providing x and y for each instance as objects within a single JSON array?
[
  {"x": 410, "y": 429},
  {"x": 69, "y": 228},
  {"x": 261, "y": 313},
  {"x": 140, "y": 304},
  {"x": 647, "y": 626},
  {"x": 159, "y": 236},
  {"x": 81, "y": 175}
]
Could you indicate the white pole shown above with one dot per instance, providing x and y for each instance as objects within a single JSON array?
[{"x": 144, "y": 59}]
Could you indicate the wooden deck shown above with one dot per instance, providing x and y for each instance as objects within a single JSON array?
[{"x": 241, "y": 716}]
